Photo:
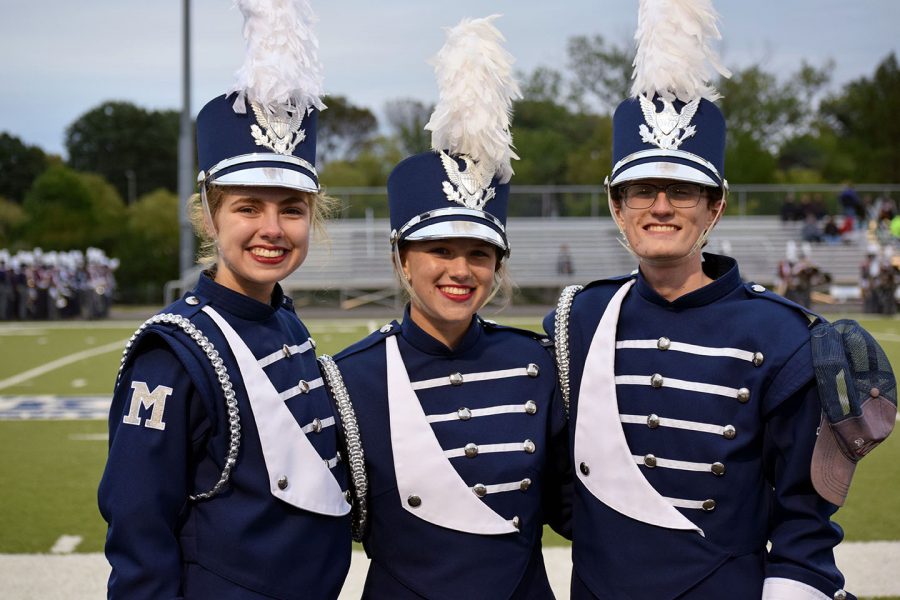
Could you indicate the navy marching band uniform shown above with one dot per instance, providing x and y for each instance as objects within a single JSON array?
[
  {"x": 692, "y": 441},
  {"x": 171, "y": 437},
  {"x": 458, "y": 445},
  {"x": 224, "y": 479}
]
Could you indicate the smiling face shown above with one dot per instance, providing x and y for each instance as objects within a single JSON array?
[
  {"x": 450, "y": 279},
  {"x": 262, "y": 236},
  {"x": 662, "y": 234}
]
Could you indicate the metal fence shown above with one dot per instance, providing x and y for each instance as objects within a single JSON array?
[{"x": 590, "y": 200}]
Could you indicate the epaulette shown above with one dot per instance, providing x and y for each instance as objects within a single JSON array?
[
  {"x": 374, "y": 338},
  {"x": 494, "y": 326},
  {"x": 756, "y": 290}
]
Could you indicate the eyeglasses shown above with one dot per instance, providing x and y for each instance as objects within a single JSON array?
[{"x": 643, "y": 195}]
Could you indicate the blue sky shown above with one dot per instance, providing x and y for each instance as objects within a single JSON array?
[{"x": 62, "y": 58}]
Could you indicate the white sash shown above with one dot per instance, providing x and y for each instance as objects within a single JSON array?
[
  {"x": 287, "y": 452},
  {"x": 614, "y": 478},
  {"x": 420, "y": 465}
]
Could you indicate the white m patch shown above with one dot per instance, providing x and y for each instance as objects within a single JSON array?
[{"x": 155, "y": 400}]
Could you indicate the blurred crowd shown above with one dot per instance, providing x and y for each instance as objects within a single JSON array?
[
  {"x": 37, "y": 285},
  {"x": 798, "y": 277},
  {"x": 878, "y": 279},
  {"x": 860, "y": 217}
]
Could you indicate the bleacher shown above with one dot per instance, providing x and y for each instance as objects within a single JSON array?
[{"x": 357, "y": 259}]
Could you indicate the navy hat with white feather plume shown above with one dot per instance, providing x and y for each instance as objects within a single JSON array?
[
  {"x": 460, "y": 189},
  {"x": 263, "y": 131},
  {"x": 670, "y": 128}
]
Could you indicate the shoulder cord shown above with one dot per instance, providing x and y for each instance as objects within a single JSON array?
[
  {"x": 561, "y": 340},
  {"x": 352, "y": 443},
  {"x": 234, "y": 420}
]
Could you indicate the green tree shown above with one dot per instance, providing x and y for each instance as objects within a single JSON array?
[
  {"x": 862, "y": 117},
  {"x": 136, "y": 150},
  {"x": 406, "y": 119},
  {"x": 12, "y": 218},
  {"x": 344, "y": 130},
  {"x": 59, "y": 211},
  {"x": 20, "y": 164},
  {"x": 148, "y": 250},
  {"x": 108, "y": 210},
  {"x": 601, "y": 72}
]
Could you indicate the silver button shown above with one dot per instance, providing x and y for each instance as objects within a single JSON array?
[
  {"x": 516, "y": 522},
  {"x": 312, "y": 343},
  {"x": 717, "y": 468},
  {"x": 650, "y": 461},
  {"x": 759, "y": 289},
  {"x": 663, "y": 343},
  {"x": 729, "y": 432},
  {"x": 286, "y": 350},
  {"x": 758, "y": 359},
  {"x": 348, "y": 497},
  {"x": 464, "y": 414},
  {"x": 471, "y": 450},
  {"x": 304, "y": 386},
  {"x": 386, "y": 328},
  {"x": 656, "y": 380},
  {"x": 743, "y": 395},
  {"x": 585, "y": 469},
  {"x": 456, "y": 379},
  {"x": 532, "y": 370},
  {"x": 528, "y": 445},
  {"x": 394, "y": 236},
  {"x": 653, "y": 421},
  {"x": 525, "y": 484},
  {"x": 531, "y": 407},
  {"x": 282, "y": 482},
  {"x": 840, "y": 595},
  {"x": 709, "y": 505},
  {"x": 414, "y": 501},
  {"x": 317, "y": 425},
  {"x": 192, "y": 300},
  {"x": 480, "y": 490}
]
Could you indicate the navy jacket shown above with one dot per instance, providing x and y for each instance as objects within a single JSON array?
[
  {"x": 169, "y": 438},
  {"x": 487, "y": 413},
  {"x": 713, "y": 401}
]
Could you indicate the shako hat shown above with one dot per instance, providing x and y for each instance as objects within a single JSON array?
[
  {"x": 670, "y": 128},
  {"x": 263, "y": 131},
  {"x": 460, "y": 188}
]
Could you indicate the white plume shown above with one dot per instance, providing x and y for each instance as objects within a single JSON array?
[
  {"x": 281, "y": 64},
  {"x": 477, "y": 89},
  {"x": 675, "y": 58}
]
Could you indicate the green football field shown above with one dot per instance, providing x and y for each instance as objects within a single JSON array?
[{"x": 49, "y": 470}]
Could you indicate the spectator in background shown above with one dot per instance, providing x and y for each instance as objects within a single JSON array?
[
  {"x": 564, "y": 263},
  {"x": 818, "y": 206},
  {"x": 789, "y": 209},
  {"x": 810, "y": 231},
  {"x": 831, "y": 234},
  {"x": 849, "y": 201}
]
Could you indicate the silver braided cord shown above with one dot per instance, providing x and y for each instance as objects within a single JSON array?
[
  {"x": 561, "y": 340},
  {"x": 234, "y": 420},
  {"x": 353, "y": 448}
]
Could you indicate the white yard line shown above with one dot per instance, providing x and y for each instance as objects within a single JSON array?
[
  {"x": 66, "y": 544},
  {"x": 871, "y": 569},
  {"x": 61, "y": 362}
]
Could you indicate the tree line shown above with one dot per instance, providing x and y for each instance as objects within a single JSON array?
[{"x": 116, "y": 190}]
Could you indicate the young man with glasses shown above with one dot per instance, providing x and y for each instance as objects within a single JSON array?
[{"x": 691, "y": 395}]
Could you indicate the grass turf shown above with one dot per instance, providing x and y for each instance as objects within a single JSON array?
[{"x": 51, "y": 469}]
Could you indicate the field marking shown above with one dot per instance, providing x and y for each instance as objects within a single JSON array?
[
  {"x": 61, "y": 362},
  {"x": 870, "y": 567},
  {"x": 66, "y": 544}
]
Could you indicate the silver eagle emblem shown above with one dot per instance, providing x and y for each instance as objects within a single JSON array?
[
  {"x": 469, "y": 187},
  {"x": 278, "y": 130},
  {"x": 669, "y": 127}
]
